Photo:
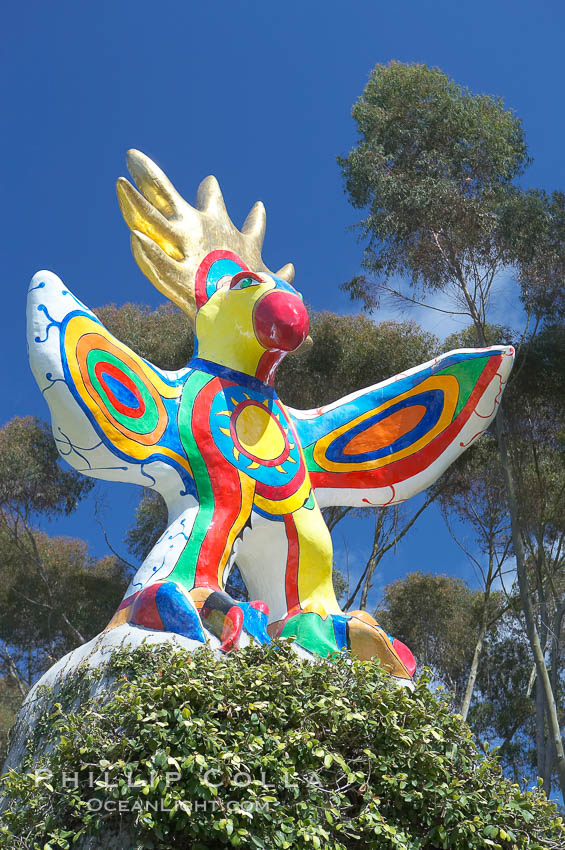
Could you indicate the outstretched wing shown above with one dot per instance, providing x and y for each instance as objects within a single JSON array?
[
  {"x": 384, "y": 444},
  {"x": 114, "y": 415}
]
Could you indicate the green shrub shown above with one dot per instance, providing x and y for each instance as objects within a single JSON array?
[{"x": 263, "y": 750}]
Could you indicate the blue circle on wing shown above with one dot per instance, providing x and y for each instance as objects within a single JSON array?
[{"x": 123, "y": 394}]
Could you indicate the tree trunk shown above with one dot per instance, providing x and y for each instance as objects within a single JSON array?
[
  {"x": 554, "y": 656},
  {"x": 540, "y": 730},
  {"x": 525, "y": 598},
  {"x": 542, "y": 745},
  {"x": 475, "y": 662},
  {"x": 22, "y": 686},
  {"x": 523, "y": 586},
  {"x": 367, "y": 584}
]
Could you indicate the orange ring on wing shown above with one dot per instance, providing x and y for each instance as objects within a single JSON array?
[{"x": 93, "y": 341}]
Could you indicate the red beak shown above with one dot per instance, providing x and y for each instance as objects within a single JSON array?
[{"x": 280, "y": 321}]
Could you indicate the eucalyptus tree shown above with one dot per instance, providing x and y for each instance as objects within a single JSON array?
[
  {"x": 536, "y": 415},
  {"x": 435, "y": 170},
  {"x": 53, "y": 594},
  {"x": 474, "y": 494},
  {"x": 434, "y": 615}
]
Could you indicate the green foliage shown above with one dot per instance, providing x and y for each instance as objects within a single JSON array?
[
  {"x": 434, "y": 169},
  {"x": 86, "y": 588},
  {"x": 10, "y": 701},
  {"x": 31, "y": 479},
  {"x": 432, "y": 159},
  {"x": 53, "y": 596},
  {"x": 163, "y": 335},
  {"x": 437, "y": 616},
  {"x": 264, "y": 750},
  {"x": 506, "y": 711},
  {"x": 350, "y": 352},
  {"x": 541, "y": 373},
  {"x": 532, "y": 225}
]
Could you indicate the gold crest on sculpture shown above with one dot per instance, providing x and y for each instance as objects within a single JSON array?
[{"x": 170, "y": 238}]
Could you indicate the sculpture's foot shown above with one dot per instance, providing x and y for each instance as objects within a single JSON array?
[
  {"x": 358, "y": 631},
  {"x": 235, "y": 623},
  {"x": 315, "y": 631},
  {"x": 165, "y": 606},
  {"x": 367, "y": 639}
]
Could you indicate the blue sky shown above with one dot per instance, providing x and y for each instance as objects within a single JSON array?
[{"x": 258, "y": 93}]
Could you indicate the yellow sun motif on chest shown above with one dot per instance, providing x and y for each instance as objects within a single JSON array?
[{"x": 254, "y": 434}]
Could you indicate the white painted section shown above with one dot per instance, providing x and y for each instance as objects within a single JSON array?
[
  {"x": 261, "y": 558},
  {"x": 49, "y": 302},
  {"x": 162, "y": 559}
]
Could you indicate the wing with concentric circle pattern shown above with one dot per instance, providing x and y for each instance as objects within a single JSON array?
[
  {"x": 114, "y": 414},
  {"x": 384, "y": 444}
]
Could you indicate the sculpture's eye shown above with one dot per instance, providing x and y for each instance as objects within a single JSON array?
[{"x": 242, "y": 280}]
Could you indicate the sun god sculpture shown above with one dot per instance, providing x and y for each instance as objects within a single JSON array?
[{"x": 243, "y": 476}]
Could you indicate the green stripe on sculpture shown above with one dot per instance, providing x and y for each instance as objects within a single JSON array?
[
  {"x": 467, "y": 373},
  {"x": 142, "y": 425},
  {"x": 312, "y": 632},
  {"x": 185, "y": 569}
]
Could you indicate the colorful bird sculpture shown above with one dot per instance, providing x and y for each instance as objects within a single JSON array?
[{"x": 243, "y": 476}]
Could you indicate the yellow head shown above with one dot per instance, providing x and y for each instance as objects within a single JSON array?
[
  {"x": 245, "y": 317},
  {"x": 247, "y": 321}
]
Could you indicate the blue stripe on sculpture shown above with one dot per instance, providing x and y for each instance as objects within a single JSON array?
[
  {"x": 170, "y": 438},
  {"x": 282, "y": 284},
  {"x": 240, "y": 378},
  {"x": 255, "y": 622},
  {"x": 340, "y": 630},
  {"x": 275, "y": 517},
  {"x": 433, "y": 401},
  {"x": 122, "y": 393},
  {"x": 176, "y": 612}
]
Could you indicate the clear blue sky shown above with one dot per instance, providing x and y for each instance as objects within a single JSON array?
[{"x": 258, "y": 93}]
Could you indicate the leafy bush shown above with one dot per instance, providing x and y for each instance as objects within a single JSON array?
[{"x": 263, "y": 750}]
